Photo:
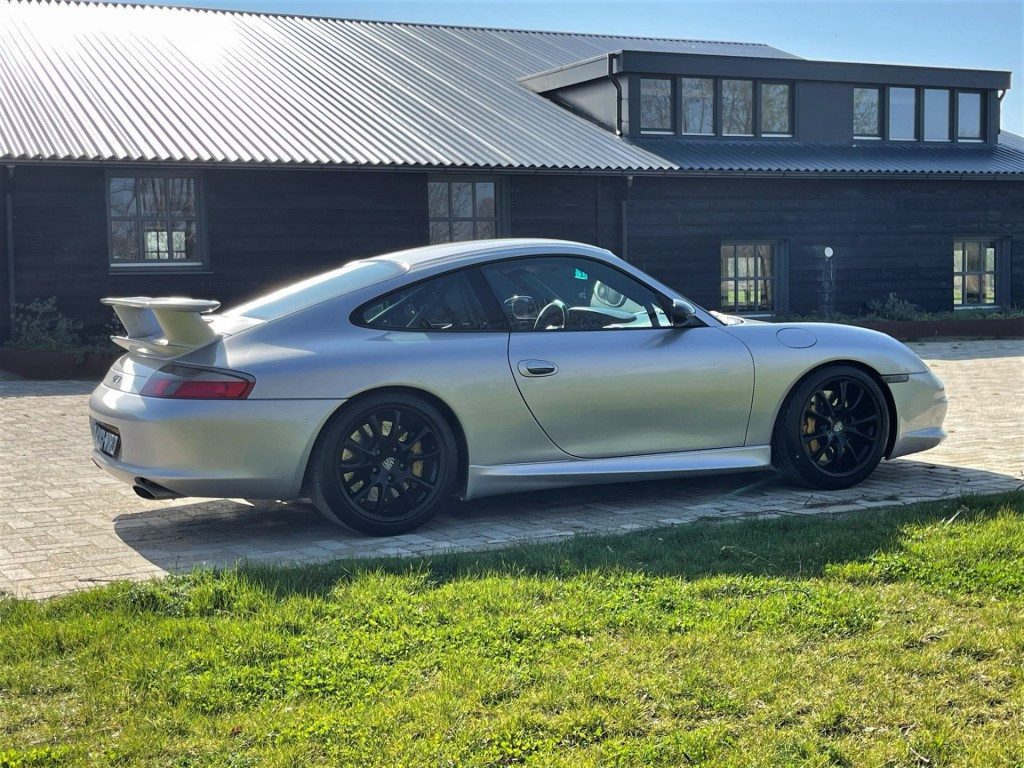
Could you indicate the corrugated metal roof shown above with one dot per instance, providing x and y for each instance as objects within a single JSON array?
[
  {"x": 797, "y": 157},
  {"x": 93, "y": 81}
]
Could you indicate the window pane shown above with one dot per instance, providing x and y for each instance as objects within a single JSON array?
[
  {"x": 440, "y": 232},
  {"x": 437, "y": 199},
  {"x": 462, "y": 230},
  {"x": 765, "y": 257},
  {"x": 775, "y": 108},
  {"x": 183, "y": 240},
  {"x": 989, "y": 290},
  {"x": 936, "y": 114},
  {"x": 990, "y": 257},
  {"x": 181, "y": 197},
  {"x": 728, "y": 252},
  {"x": 745, "y": 260},
  {"x": 655, "y": 105},
  {"x": 447, "y": 303},
  {"x": 902, "y": 114},
  {"x": 765, "y": 298},
  {"x": 124, "y": 241},
  {"x": 972, "y": 289},
  {"x": 973, "y": 256},
  {"x": 745, "y": 295},
  {"x": 958, "y": 256},
  {"x": 698, "y": 99},
  {"x": 728, "y": 294},
  {"x": 153, "y": 196},
  {"x": 154, "y": 240},
  {"x": 462, "y": 200},
  {"x": 958, "y": 289},
  {"x": 865, "y": 112},
  {"x": 738, "y": 107},
  {"x": 122, "y": 197},
  {"x": 485, "y": 230},
  {"x": 485, "y": 199},
  {"x": 968, "y": 123}
]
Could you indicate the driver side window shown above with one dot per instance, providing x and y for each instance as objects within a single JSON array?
[{"x": 566, "y": 293}]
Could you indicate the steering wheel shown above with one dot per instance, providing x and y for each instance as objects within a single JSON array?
[{"x": 554, "y": 310}]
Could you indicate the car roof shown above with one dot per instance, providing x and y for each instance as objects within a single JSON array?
[{"x": 471, "y": 251}]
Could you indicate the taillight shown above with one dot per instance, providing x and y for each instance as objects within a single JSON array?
[{"x": 182, "y": 382}]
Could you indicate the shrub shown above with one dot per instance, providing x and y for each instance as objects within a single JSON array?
[
  {"x": 893, "y": 308},
  {"x": 39, "y": 325}
]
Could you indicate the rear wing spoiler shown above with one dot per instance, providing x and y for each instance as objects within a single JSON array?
[{"x": 164, "y": 327}]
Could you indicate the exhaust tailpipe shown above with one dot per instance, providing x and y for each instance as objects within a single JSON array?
[{"x": 151, "y": 491}]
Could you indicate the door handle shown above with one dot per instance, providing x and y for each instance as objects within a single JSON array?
[{"x": 537, "y": 368}]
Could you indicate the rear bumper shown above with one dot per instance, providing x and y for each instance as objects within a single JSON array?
[
  {"x": 229, "y": 448},
  {"x": 921, "y": 405}
]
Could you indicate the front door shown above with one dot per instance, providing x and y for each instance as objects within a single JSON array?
[{"x": 602, "y": 371}]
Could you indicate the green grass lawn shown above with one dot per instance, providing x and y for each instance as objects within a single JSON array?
[{"x": 884, "y": 638}]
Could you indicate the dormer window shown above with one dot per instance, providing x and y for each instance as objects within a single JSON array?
[
  {"x": 867, "y": 113},
  {"x": 656, "y": 105},
  {"x": 738, "y": 107},
  {"x": 968, "y": 116},
  {"x": 775, "y": 109},
  {"x": 936, "y": 114},
  {"x": 697, "y": 95},
  {"x": 902, "y": 114}
]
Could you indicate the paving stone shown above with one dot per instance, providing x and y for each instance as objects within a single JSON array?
[{"x": 66, "y": 525}]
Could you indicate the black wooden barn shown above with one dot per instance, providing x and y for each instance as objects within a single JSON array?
[{"x": 157, "y": 150}]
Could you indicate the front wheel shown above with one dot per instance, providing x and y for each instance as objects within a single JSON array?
[
  {"x": 832, "y": 430},
  {"x": 385, "y": 465}
]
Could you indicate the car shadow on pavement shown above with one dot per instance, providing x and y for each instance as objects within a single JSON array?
[{"x": 183, "y": 535}]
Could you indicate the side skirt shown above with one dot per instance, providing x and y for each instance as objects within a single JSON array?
[{"x": 511, "y": 478}]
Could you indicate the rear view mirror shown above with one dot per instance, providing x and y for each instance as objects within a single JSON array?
[{"x": 682, "y": 313}]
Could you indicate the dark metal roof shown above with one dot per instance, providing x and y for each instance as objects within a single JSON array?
[
  {"x": 96, "y": 81},
  {"x": 819, "y": 158}
]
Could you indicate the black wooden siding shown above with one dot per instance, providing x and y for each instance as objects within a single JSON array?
[
  {"x": 264, "y": 228},
  {"x": 888, "y": 235},
  {"x": 267, "y": 227}
]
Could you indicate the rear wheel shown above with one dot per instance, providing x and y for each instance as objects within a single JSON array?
[
  {"x": 832, "y": 430},
  {"x": 385, "y": 465}
]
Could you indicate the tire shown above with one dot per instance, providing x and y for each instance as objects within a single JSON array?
[
  {"x": 832, "y": 430},
  {"x": 369, "y": 476}
]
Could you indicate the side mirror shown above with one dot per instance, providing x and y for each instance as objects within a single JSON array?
[{"x": 682, "y": 313}]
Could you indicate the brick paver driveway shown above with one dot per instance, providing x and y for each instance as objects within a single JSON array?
[{"x": 65, "y": 525}]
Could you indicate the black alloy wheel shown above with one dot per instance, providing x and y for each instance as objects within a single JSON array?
[
  {"x": 833, "y": 429},
  {"x": 385, "y": 466}
]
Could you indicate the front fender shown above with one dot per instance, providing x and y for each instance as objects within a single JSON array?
[{"x": 778, "y": 367}]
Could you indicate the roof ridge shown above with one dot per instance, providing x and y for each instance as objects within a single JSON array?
[{"x": 383, "y": 22}]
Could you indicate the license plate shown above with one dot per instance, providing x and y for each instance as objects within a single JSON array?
[{"x": 106, "y": 440}]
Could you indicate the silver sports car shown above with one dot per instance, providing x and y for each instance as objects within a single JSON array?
[{"x": 386, "y": 388}]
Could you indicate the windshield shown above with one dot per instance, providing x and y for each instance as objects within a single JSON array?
[{"x": 351, "y": 277}]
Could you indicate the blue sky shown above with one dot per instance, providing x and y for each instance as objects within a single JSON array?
[{"x": 983, "y": 34}]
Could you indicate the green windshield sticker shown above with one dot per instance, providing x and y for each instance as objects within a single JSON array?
[{"x": 579, "y": 274}]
